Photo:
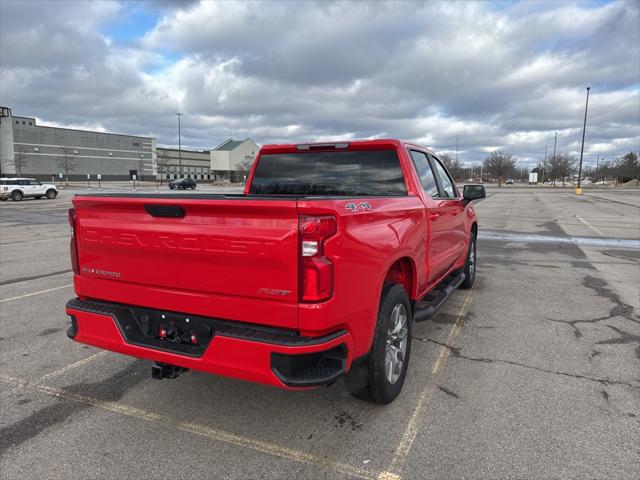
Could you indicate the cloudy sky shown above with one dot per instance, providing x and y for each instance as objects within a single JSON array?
[{"x": 502, "y": 75}]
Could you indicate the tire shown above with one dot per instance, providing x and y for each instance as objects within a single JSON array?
[
  {"x": 470, "y": 265},
  {"x": 193, "y": 187},
  {"x": 3, "y": 199},
  {"x": 16, "y": 196},
  {"x": 378, "y": 378},
  {"x": 51, "y": 194}
]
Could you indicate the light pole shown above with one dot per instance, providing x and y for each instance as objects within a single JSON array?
[
  {"x": 584, "y": 128},
  {"x": 179, "y": 145},
  {"x": 555, "y": 142},
  {"x": 544, "y": 165}
]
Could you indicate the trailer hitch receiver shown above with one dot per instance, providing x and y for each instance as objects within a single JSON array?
[{"x": 165, "y": 370}]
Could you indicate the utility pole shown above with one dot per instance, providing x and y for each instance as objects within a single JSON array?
[
  {"x": 179, "y": 145},
  {"x": 555, "y": 142},
  {"x": 584, "y": 128},
  {"x": 597, "y": 162}
]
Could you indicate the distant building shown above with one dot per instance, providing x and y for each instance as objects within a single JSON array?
[
  {"x": 174, "y": 163},
  {"x": 227, "y": 157},
  {"x": 28, "y": 149},
  {"x": 33, "y": 150}
]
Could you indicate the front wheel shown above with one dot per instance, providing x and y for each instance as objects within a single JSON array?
[
  {"x": 380, "y": 377},
  {"x": 470, "y": 265},
  {"x": 51, "y": 194}
]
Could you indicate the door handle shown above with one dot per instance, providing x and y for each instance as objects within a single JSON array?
[{"x": 434, "y": 216}]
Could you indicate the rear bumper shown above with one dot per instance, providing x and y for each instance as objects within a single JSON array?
[{"x": 271, "y": 356}]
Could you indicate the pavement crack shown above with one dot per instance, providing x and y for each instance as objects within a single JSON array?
[
  {"x": 624, "y": 338},
  {"x": 455, "y": 353},
  {"x": 448, "y": 392},
  {"x": 620, "y": 309}
]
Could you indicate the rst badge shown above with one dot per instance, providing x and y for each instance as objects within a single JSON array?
[{"x": 354, "y": 207}]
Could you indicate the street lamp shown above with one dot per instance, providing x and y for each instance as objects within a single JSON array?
[
  {"x": 179, "y": 145},
  {"x": 584, "y": 128}
]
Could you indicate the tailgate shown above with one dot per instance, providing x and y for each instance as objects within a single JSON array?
[{"x": 231, "y": 258}]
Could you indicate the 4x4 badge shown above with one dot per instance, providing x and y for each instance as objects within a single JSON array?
[{"x": 354, "y": 207}]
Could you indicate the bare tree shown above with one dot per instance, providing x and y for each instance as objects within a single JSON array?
[
  {"x": 455, "y": 167},
  {"x": 627, "y": 168},
  {"x": 561, "y": 166},
  {"x": 500, "y": 164},
  {"x": 20, "y": 159},
  {"x": 67, "y": 162},
  {"x": 244, "y": 167}
]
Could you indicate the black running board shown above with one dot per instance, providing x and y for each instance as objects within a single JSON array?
[{"x": 431, "y": 303}]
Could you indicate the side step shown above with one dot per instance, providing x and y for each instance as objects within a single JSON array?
[{"x": 431, "y": 303}]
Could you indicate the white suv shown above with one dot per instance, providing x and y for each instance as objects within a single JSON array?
[{"x": 18, "y": 188}]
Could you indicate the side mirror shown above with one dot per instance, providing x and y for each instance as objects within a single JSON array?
[{"x": 473, "y": 192}]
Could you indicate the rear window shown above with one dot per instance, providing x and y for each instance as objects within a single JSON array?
[{"x": 351, "y": 173}]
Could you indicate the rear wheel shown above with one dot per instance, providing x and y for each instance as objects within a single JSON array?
[
  {"x": 16, "y": 196},
  {"x": 380, "y": 377},
  {"x": 51, "y": 194},
  {"x": 470, "y": 265}
]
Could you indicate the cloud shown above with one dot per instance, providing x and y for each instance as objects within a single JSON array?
[{"x": 492, "y": 75}]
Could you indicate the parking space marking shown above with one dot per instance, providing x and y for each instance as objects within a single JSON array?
[
  {"x": 401, "y": 454},
  {"x": 201, "y": 430},
  {"x": 71, "y": 366},
  {"x": 4, "y": 300},
  {"x": 591, "y": 226}
]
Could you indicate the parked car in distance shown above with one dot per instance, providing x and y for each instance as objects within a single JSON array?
[
  {"x": 182, "y": 184},
  {"x": 318, "y": 270},
  {"x": 509, "y": 181},
  {"x": 18, "y": 188}
]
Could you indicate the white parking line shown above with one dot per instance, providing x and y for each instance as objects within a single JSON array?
[
  {"x": 411, "y": 431},
  {"x": 71, "y": 366},
  {"x": 4, "y": 300},
  {"x": 201, "y": 430},
  {"x": 589, "y": 225}
]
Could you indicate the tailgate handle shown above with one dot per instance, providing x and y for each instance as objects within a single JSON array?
[{"x": 169, "y": 211}]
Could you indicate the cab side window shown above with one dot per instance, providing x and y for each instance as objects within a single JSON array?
[
  {"x": 425, "y": 173},
  {"x": 448, "y": 189}
]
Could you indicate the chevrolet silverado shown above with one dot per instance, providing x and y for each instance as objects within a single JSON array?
[{"x": 316, "y": 271}]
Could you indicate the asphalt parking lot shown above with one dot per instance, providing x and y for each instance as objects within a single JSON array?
[{"x": 534, "y": 373}]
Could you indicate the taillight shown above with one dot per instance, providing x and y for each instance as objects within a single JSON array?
[
  {"x": 73, "y": 247},
  {"x": 316, "y": 271}
]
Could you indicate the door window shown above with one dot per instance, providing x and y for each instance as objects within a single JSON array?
[
  {"x": 34, "y": 182},
  {"x": 448, "y": 190},
  {"x": 425, "y": 173}
]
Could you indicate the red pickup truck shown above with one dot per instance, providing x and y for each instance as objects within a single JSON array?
[{"x": 317, "y": 270}]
